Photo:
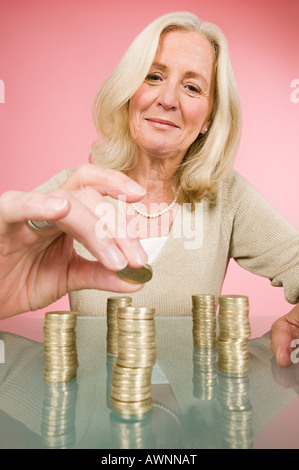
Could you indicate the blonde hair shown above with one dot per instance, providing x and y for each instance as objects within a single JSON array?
[{"x": 210, "y": 157}]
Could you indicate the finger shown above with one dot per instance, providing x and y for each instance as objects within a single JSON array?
[
  {"x": 18, "y": 206},
  {"x": 284, "y": 331},
  {"x": 80, "y": 224},
  {"x": 86, "y": 274},
  {"x": 107, "y": 230},
  {"x": 112, "y": 223},
  {"x": 281, "y": 338},
  {"x": 108, "y": 182}
]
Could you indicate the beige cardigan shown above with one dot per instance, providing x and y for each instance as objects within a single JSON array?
[{"x": 241, "y": 225}]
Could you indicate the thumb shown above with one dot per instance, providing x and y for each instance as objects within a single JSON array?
[
  {"x": 283, "y": 331},
  {"x": 280, "y": 344},
  {"x": 87, "y": 274}
]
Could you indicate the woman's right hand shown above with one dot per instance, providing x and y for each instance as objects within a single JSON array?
[{"x": 39, "y": 267}]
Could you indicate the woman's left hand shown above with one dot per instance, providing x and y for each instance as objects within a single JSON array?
[{"x": 283, "y": 332}]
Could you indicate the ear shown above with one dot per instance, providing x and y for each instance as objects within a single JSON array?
[{"x": 205, "y": 127}]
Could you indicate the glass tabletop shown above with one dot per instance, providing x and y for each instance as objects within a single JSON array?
[{"x": 195, "y": 406}]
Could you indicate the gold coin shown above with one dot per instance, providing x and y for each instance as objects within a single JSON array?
[
  {"x": 117, "y": 300},
  {"x": 136, "y": 313},
  {"x": 131, "y": 385},
  {"x": 133, "y": 325},
  {"x": 60, "y": 357},
  {"x": 59, "y": 341},
  {"x": 127, "y": 345},
  {"x": 132, "y": 406},
  {"x": 203, "y": 300},
  {"x": 133, "y": 352},
  {"x": 135, "y": 360},
  {"x": 61, "y": 314},
  {"x": 59, "y": 350},
  {"x": 145, "y": 335},
  {"x": 127, "y": 371},
  {"x": 59, "y": 334},
  {"x": 60, "y": 326},
  {"x": 135, "y": 397},
  {"x": 58, "y": 344},
  {"x": 233, "y": 302},
  {"x": 62, "y": 378},
  {"x": 136, "y": 275},
  {"x": 60, "y": 372},
  {"x": 131, "y": 379},
  {"x": 60, "y": 319},
  {"x": 124, "y": 329},
  {"x": 130, "y": 389},
  {"x": 136, "y": 363},
  {"x": 61, "y": 360}
]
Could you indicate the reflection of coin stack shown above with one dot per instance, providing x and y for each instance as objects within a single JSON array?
[
  {"x": 236, "y": 411},
  {"x": 132, "y": 434},
  {"x": 234, "y": 328},
  {"x": 112, "y": 308},
  {"x": 204, "y": 320},
  {"x": 59, "y": 412},
  {"x": 60, "y": 349},
  {"x": 204, "y": 373},
  {"x": 132, "y": 370},
  {"x": 110, "y": 360}
]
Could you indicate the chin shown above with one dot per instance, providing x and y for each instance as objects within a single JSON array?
[
  {"x": 162, "y": 153},
  {"x": 159, "y": 150}
]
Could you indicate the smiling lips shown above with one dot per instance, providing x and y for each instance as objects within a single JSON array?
[{"x": 162, "y": 122}]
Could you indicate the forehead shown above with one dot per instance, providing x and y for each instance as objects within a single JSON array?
[{"x": 190, "y": 48}]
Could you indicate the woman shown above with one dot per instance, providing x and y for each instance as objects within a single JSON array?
[{"x": 170, "y": 120}]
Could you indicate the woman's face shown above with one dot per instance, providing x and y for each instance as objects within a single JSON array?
[{"x": 172, "y": 106}]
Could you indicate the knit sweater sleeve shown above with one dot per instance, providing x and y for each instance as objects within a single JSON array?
[
  {"x": 261, "y": 240},
  {"x": 54, "y": 182}
]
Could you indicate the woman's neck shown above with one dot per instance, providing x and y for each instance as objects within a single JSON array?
[{"x": 155, "y": 176}]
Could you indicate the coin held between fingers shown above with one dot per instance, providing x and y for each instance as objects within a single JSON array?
[
  {"x": 136, "y": 275},
  {"x": 39, "y": 224}
]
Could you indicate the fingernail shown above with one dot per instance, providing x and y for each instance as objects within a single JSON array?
[
  {"x": 135, "y": 188},
  {"x": 114, "y": 256},
  {"x": 277, "y": 356},
  {"x": 55, "y": 204}
]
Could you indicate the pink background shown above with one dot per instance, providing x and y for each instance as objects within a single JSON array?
[{"x": 55, "y": 54}]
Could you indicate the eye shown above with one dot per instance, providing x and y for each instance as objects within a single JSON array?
[
  {"x": 153, "y": 77},
  {"x": 193, "y": 89}
]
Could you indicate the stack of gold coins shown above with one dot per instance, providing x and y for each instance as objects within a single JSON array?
[
  {"x": 131, "y": 393},
  {"x": 58, "y": 427},
  {"x": 234, "y": 333},
  {"x": 233, "y": 317},
  {"x": 112, "y": 308},
  {"x": 236, "y": 411},
  {"x": 60, "y": 349},
  {"x": 204, "y": 320},
  {"x": 205, "y": 374}
]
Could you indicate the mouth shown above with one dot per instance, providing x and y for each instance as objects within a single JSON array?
[{"x": 162, "y": 123}]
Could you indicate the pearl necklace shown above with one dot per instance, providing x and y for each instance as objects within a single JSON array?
[{"x": 157, "y": 214}]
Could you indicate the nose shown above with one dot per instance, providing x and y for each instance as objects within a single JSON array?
[{"x": 168, "y": 96}]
